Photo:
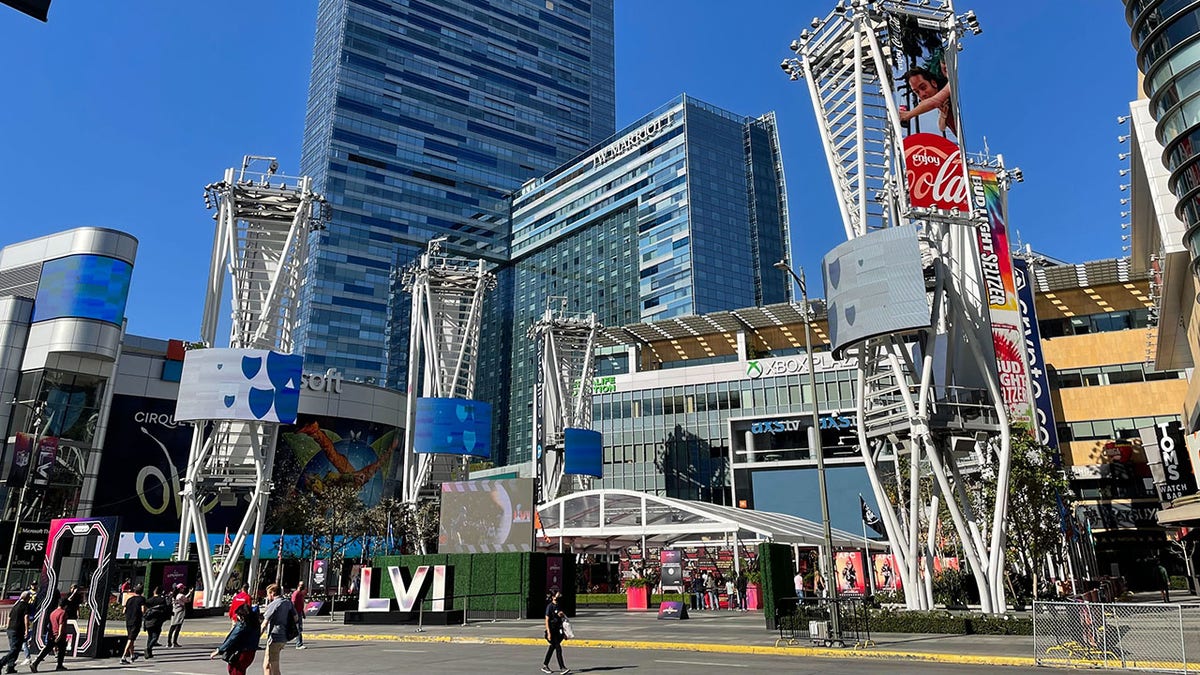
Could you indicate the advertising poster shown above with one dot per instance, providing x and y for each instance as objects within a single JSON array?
[
  {"x": 850, "y": 577},
  {"x": 922, "y": 77},
  {"x": 321, "y": 451},
  {"x": 320, "y": 576},
  {"x": 174, "y": 574},
  {"x": 887, "y": 578},
  {"x": 142, "y": 465},
  {"x": 1008, "y": 335},
  {"x": 554, "y": 573}
]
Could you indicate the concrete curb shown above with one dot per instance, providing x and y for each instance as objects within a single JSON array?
[{"x": 821, "y": 652}]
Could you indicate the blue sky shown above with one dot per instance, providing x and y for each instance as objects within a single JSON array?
[{"x": 118, "y": 113}]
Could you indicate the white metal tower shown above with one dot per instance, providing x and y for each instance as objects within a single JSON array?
[
  {"x": 562, "y": 396},
  {"x": 443, "y": 348},
  {"x": 929, "y": 401},
  {"x": 261, "y": 244}
]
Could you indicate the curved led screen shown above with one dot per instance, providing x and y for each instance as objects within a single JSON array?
[
  {"x": 239, "y": 384},
  {"x": 583, "y": 451},
  {"x": 453, "y": 426},
  {"x": 874, "y": 286},
  {"x": 83, "y": 287}
]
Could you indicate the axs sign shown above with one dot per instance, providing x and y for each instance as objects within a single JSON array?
[{"x": 935, "y": 174}]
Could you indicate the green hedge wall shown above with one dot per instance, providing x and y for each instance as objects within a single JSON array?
[
  {"x": 511, "y": 584},
  {"x": 901, "y": 621},
  {"x": 775, "y": 565}
]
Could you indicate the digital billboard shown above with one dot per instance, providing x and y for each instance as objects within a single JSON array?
[
  {"x": 83, "y": 287},
  {"x": 487, "y": 516},
  {"x": 142, "y": 468},
  {"x": 239, "y": 384},
  {"x": 874, "y": 286},
  {"x": 583, "y": 452},
  {"x": 320, "y": 451},
  {"x": 76, "y": 547},
  {"x": 453, "y": 426}
]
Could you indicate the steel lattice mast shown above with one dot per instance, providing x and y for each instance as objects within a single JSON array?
[
  {"x": 562, "y": 397},
  {"x": 917, "y": 412},
  {"x": 261, "y": 244},
  {"x": 443, "y": 349}
]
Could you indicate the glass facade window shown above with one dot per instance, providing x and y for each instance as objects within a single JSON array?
[
  {"x": 1095, "y": 323},
  {"x": 422, "y": 116},
  {"x": 1111, "y": 374},
  {"x": 680, "y": 213}
]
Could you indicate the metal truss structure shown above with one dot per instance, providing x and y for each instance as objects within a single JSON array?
[
  {"x": 929, "y": 401},
  {"x": 562, "y": 396},
  {"x": 443, "y": 348},
  {"x": 261, "y": 244}
]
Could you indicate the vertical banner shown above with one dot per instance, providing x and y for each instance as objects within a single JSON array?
[
  {"x": 1044, "y": 424},
  {"x": 1007, "y": 335},
  {"x": 1170, "y": 464},
  {"x": 671, "y": 566},
  {"x": 850, "y": 577},
  {"x": 884, "y": 567}
]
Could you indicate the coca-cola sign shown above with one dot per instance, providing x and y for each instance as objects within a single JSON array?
[{"x": 935, "y": 173}]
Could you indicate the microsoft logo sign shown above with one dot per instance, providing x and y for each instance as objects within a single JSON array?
[{"x": 753, "y": 369}]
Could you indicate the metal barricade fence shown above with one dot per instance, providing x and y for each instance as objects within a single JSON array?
[{"x": 1134, "y": 636}]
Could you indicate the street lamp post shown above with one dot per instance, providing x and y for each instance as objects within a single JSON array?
[
  {"x": 29, "y": 469},
  {"x": 815, "y": 444}
]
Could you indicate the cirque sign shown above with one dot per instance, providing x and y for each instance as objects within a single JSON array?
[{"x": 934, "y": 170}]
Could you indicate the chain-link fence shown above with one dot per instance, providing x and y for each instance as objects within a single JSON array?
[{"x": 1154, "y": 637}]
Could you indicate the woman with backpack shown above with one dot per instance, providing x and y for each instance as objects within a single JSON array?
[
  {"x": 241, "y": 643},
  {"x": 554, "y": 634}
]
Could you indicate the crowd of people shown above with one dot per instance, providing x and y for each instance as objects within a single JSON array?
[
  {"x": 706, "y": 587},
  {"x": 277, "y": 623}
]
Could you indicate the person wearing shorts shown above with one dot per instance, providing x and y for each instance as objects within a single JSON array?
[{"x": 135, "y": 609}]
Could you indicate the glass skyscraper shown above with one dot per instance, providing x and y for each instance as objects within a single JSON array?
[
  {"x": 422, "y": 117},
  {"x": 681, "y": 213}
]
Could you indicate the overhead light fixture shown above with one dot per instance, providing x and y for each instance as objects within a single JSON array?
[
  {"x": 1124, "y": 226},
  {"x": 1122, "y": 138},
  {"x": 1124, "y": 201},
  {"x": 1122, "y": 119},
  {"x": 1122, "y": 156},
  {"x": 1124, "y": 172},
  {"x": 1124, "y": 186}
]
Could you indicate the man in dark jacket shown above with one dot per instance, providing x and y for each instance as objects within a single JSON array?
[
  {"x": 135, "y": 606},
  {"x": 58, "y": 637},
  {"x": 155, "y": 615},
  {"x": 18, "y": 628}
]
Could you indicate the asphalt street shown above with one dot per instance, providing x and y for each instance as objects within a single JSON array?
[{"x": 451, "y": 658}]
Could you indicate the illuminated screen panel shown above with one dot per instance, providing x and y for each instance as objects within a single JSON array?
[
  {"x": 239, "y": 384},
  {"x": 583, "y": 452},
  {"x": 487, "y": 516},
  {"x": 83, "y": 287},
  {"x": 453, "y": 426}
]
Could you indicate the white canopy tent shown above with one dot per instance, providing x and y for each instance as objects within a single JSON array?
[{"x": 609, "y": 519}]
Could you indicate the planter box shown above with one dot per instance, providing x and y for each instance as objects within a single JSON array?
[
  {"x": 637, "y": 598},
  {"x": 754, "y": 597}
]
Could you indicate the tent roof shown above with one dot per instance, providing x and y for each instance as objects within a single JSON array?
[{"x": 617, "y": 518}]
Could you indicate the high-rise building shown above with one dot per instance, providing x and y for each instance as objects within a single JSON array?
[
  {"x": 421, "y": 118},
  {"x": 681, "y": 213}
]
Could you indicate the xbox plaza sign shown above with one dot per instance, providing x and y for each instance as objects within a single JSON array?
[{"x": 795, "y": 365}]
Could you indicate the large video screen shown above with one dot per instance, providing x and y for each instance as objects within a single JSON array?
[
  {"x": 83, "y": 287},
  {"x": 239, "y": 384},
  {"x": 487, "y": 516},
  {"x": 874, "y": 286}
]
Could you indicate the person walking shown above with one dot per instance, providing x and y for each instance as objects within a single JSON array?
[
  {"x": 742, "y": 584},
  {"x": 58, "y": 638},
  {"x": 279, "y": 616},
  {"x": 30, "y": 643},
  {"x": 135, "y": 610},
  {"x": 180, "y": 599},
  {"x": 242, "y": 597},
  {"x": 1164, "y": 582},
  {"x": 153, "y": 617},
  {"x": 18, "y": 629},
  {"x": 798, "y": 583},
  {"x": 299, "y": 599},
  {"x": 554, "y": 634},
  {"x": 241, "y": 643}
]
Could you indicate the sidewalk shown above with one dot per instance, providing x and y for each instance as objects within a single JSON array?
[{"x": 721, "y": 632}]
